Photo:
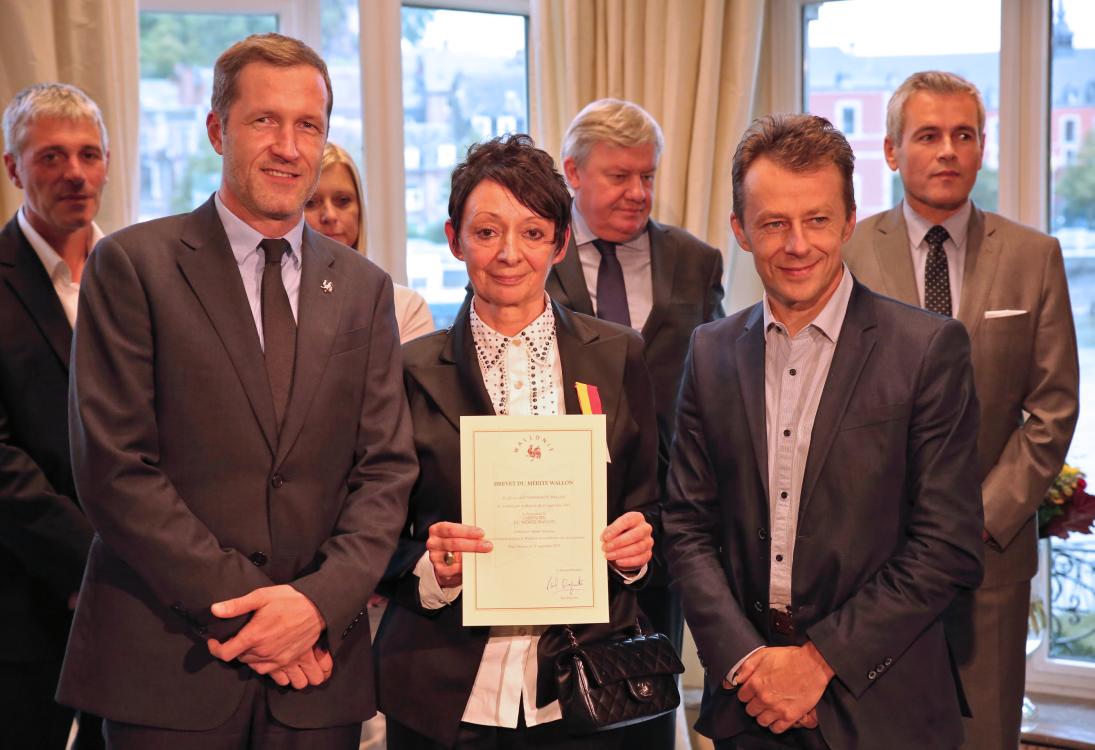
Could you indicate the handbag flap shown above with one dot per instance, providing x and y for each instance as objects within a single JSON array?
[{"x": 635, "y": 657}]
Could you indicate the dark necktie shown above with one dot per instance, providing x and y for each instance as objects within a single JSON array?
[
  {"x": 611, "y": 292},
  {"x": 937, "y": 280},
  {"x": 279, "y": 330}
]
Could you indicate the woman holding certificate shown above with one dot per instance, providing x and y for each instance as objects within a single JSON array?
[{"x": 511, "y": 351}]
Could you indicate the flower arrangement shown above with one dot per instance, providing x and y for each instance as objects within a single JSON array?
[{"x": 1067, "y": 506}]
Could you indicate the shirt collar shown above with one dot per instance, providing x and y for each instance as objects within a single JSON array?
[
  {"x": 957, "y": 224},
  {"x": 831, "y": 318},
  {"x": 538, "y": 337},
  {"x": 245, "y": 239},
  {"x": 583, "y": 235},
  {"x": 53, "y": 262}
]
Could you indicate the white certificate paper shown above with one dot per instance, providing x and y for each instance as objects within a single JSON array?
[{"x": 537, "y": 487}]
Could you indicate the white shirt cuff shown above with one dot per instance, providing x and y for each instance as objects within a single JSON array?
[
  {"x": 627, "y": 578},
  {"x": 734, "y": 669},
  {"x": 431, "y": 594}
]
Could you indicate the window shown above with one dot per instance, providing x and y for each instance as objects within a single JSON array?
[
  {"x": 851, "y": 71},
  {"x": 179, "y": 169},
  {"x": 464, "y": 80},
  {"x": 1071, "y": 563}
]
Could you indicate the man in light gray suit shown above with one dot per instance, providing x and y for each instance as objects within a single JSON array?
[
  {"x": 1006, "y": 283},
  {"x": 241, "y": 444}
]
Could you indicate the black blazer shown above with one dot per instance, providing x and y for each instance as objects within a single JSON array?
[
  {"x": 44, "y": 536},
  {"x": 427, "y": 657},
  {"x": 195, "y": 495},
  {"x": 687, "y": 286},
  {"x": 889, "y": 525}
]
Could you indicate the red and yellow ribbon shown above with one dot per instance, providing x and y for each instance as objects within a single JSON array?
[{"x": 589, "y": 398}]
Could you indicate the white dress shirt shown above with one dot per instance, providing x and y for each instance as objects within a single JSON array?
[
  {"x": 957, "y": 226},
  {"x": 634, "y": 256},
  {"x": 68, "y": 291}
]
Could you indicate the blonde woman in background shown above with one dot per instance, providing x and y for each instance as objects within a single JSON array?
[{"x": 337, "y": 210}]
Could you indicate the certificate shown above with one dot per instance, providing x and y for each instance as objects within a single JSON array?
[{"x": 537, "y": 487}]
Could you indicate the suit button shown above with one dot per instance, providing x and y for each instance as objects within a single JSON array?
[
  {"x": 888, "y": 661},
  {"x": 762, "y": 534},
  {"x": 277, "y": 480},
  {"x": 786, "y": 433},
  {"x": 872, "y": 674},
  {"x": 345, "y": 632},
  {"x": 258, "y": 558},
  {"x": 880, "y": 668},
  {"x": 758, "y": 606}
]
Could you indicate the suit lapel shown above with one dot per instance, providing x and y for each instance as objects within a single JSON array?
[
  {"x": 30, "y": 282},
  {"x": 663, "y": 268},
  {"x": 979, "y": 270},
  {"x": 567, "y": 282},
  {"x": 587, "y": 358},
  {"x": 457, "y": 361},
  {"x": 857, "y": 339},
  {"x": 891, "y": 247},
  {"x": 749, "y": 351},
  {"x": 318, "y": 315},
  {"x": 212, "y": 272}
]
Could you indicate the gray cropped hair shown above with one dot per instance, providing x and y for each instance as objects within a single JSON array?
[
  {"x": 60, "y": 100},
  {"x": 613, "y": 121},
  {"x": 934, "y": 82}
]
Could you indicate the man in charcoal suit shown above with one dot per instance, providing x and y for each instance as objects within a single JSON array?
[
  {"x": 623, "y": 266},
  {"x": 56, "y": 152},
  {"x": 241, "y": 443},
  {"x": 821, "y": 512}
]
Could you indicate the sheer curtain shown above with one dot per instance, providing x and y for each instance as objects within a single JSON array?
[
  {"x": 93, "y": 45},
  {"x": 693, "y": 64}
]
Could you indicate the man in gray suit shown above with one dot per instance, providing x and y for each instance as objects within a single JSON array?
[
  {"x": 1006, "y": 283},
  {"x": 821, "y": 512},
  {"x": 241, "y": 444}
]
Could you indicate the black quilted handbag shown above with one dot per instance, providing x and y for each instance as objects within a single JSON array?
[{"x": 615, "y": 683}]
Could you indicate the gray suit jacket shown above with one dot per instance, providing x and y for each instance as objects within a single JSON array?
[
  {"x": 194, "y": 494},
  {"x": 1022, "y": 362},
  {"x": 687, "y": 276},
  {"x": 889, "y": 525}
]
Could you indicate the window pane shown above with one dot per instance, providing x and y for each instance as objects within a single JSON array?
[
  {"x": 1072, "y": 221},
  {"x": 851, "y": 71},
  {"x": 340, "y": 24},
  {"x": 179, "y": 169},
  {"x": 464, "y": 80}
]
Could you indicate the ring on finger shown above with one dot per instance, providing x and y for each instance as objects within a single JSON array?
[{"x": 449, "y": 558}]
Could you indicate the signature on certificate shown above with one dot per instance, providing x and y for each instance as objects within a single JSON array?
[{"x": 565, "y": 585}]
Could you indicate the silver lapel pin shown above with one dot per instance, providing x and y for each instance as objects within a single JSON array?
[{"x": 327, "y": 286}]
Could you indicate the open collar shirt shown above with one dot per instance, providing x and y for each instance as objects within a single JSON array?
[
  {"x": 795, "y": 370},
  {"x": 60, "y": 275}
]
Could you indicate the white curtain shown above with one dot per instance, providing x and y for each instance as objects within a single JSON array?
[
  {"x": 92, "y": 44},
  {"x": 693, "y": 64}
]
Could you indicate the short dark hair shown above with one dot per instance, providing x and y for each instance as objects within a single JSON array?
[
  {"x": 798, "y": 142},
  {"x": 527, "y": 172},
  {"x": 272, "y": 49}
]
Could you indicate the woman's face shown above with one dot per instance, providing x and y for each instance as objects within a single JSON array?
[
  {"x": 334, "y": 209},
  {"x": 509, "y": 252}
]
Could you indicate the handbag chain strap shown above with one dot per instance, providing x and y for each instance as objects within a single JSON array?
[{"x": 574, "y": 641}]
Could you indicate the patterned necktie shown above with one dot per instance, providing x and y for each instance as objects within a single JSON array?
[
  {"x": 279, "y": 330},
  {"x": 937, "y": 281},
  {"x": 611, "y": 292}
]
